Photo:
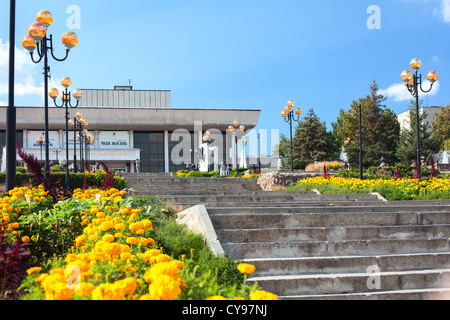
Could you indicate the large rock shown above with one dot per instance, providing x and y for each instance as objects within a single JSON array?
[{"x": 278, "y": 180}]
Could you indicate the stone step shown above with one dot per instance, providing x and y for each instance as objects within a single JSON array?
[
  {"x": 410, "y": 295},
  {"x": 261, "y": 197},
  {"x": 334, "y": 233},
  {"x": 327, "y": 220},
  {"x": 251, "y": 250},
  {"x": 340, "y": 208},
  {"x": 170, "y": 191},
  {"x": 348, "y": 264},
  {"x": 297, "y": 204},
  {"x": 296, "y": 285}
]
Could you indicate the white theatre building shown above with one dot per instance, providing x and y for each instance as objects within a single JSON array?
[{"x": 129, "y": 124}]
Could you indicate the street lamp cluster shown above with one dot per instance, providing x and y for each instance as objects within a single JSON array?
[
  {"x": 38, "y": 40},
  {"x": 235, "y": 128},
  {"x": 66, "y": 102},
  {"x": 85, "y": 139},
  {"x": 413, "y": 82},
  {"x": 289, "y": 115}
]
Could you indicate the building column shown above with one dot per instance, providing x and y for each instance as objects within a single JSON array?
[
  {"x": 25, "y": 139},
  {"x": 131, "y": 142},
  {"x": 166, "y": 151}
]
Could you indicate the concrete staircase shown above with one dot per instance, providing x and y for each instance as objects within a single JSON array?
[
  {"x": 308, "y": 246},
  {"x": 215, "y": 192},
  {"x": 376, "y": 252}
]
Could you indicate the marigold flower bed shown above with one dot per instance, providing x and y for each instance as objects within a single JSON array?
[
  {"x": 115, "y": 257},
  {"x": 401, "y": 188}
]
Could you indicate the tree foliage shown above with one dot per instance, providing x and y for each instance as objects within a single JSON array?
[
  {"x": 441, "y": 128},
  {"x": 380, "y": 130},
  {"x": 312, "y": 142},
  {"x": 407, "y": 145}
]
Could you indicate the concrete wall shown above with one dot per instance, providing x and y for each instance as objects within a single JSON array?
[{"x": 431, "y": 112}]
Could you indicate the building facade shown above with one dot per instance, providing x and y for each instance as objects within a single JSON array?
[
  {"x": 431, "y": 112},
  {"x": 127, "y": 125}
]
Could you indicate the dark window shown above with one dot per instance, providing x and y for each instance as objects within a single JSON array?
[{"x": 151, "y": 145}]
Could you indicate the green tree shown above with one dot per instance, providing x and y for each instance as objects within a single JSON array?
[
  {"x": 380, "y": 130},
  {"x": 311, "y": 141},
  {"x": 407, "y": 145},
  {"x": 283, "y": 149},
  {"x": 441, "y": 127}
]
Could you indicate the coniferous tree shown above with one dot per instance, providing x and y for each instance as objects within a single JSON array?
[
  {"x": 380, "y": 130},
  {"x": 311, "y": 141},
  {"x": 283, "y": 150},
  {"x": 407, "y": 145}
]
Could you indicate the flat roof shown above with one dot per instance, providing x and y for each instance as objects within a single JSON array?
[{"x": 138, "y": 119}]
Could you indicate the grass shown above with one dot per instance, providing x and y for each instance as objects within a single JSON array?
[{"x": 176, "y": 240}]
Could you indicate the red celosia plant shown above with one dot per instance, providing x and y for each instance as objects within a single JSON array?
[
  {"x": 14, "y": 261},
  {"x": 433, "y": 167},
  {"x": 325, "y": 172},
  {"x": 108, "y": 182},
  {"x": 34, "y": 167},
  {"x": 398, "y": 176},
  {"x": 418, "y": 176}
]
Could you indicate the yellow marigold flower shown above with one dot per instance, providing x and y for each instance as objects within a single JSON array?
[
  {"x": 128, "y": 285},
  {"x": 80, "y": 241},
  {"x": 246, "y": 268},
  {"x": 34, "y": 270},
  {"x": 159, "y": 258},
  {"x": 263, "y": 295},
  {"x": 147, "y": 224},
  {"x": 84, "y": 289},
  {"x": 216, "y": 298},
  {"x": 118, "y": 235},
  {"x": 163, "y": 268},
  {"x": 51, "y": 280},
  {"x": 59, "y": 271},
  {"x": 120, "y": 226},
  {"x": 41, "y": 277},
  {"x": 135, "y": 226},
  {"x": 59, "y": 291},
  {"x": 148, "y": 254},
  {"x": 107, "y": 291},
  {"x": 107, "y": 225},
  {"x": 132, "y": 240},
  {"x": 93, "y": 238},
  {"x": 26, "y": 239},
  {"x": 165, "y": 288}
]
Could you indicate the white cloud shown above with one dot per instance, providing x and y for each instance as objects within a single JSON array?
[
  {"x": 25, "y": 70},
  {"x": 398, "y": 91},
  {"x": 3, "y": 104},
  {"x": 443, "y": 11}
]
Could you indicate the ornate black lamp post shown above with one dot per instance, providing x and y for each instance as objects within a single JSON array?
[
  {"x": 40, "y": 141},
  {"x": 289, "y": 116},
  {"x": 79, "y": 125},
  {"x": 66, "y": 102},
  {"x": 414, "y": 84},
  {"x": 37, "y": 39}
]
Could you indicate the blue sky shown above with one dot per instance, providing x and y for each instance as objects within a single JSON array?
[{"x": 240, "y": 54}]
